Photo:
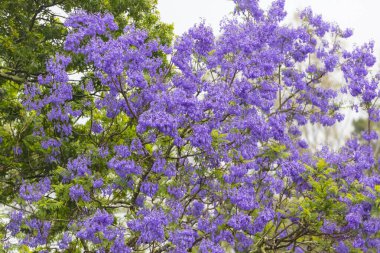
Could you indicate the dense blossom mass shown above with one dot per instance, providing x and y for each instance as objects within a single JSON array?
[{"x": 198, "y": 147}]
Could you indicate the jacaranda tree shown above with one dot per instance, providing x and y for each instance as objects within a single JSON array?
[{"x": 204, "y": 154}]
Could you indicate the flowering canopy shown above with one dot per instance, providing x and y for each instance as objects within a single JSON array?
[{"x": 203, "y": 153}]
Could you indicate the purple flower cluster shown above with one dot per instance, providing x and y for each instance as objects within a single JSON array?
[
  {"x": 77, "y": 192},
  {"x": 39, "y": 232},
  {"x": 79, "y": 167},
  {"x": 15, "y": 222},
  {"x": 34, "y": 192},
  {"x": 100, "y": 223},
  {"x": 124, "y": 167},
  {"x": 150, "y": 189},
  {"x": 183, "y": 239},
  {"x": 150, "y": 225},
  {"x": 64, "y": 243},
  {"x": 97, "y": 183}
]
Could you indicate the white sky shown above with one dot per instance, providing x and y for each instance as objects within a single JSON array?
[{"x": 361, "y": 15}]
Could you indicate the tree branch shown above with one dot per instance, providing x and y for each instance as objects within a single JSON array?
[{"x": 13, "y": 78}]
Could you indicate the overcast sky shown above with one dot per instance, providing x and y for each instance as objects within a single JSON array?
[{"x": 361, "y": 15}]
